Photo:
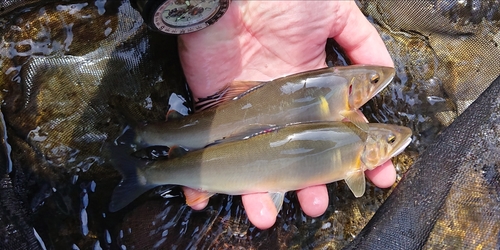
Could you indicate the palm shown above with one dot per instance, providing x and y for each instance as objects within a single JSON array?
[{"x": 262, "y": 40}]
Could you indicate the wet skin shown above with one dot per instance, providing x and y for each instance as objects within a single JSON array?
[{"x": 263, "y": 40}]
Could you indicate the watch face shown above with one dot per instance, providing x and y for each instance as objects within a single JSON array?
[{"x": 184, "y": 16}]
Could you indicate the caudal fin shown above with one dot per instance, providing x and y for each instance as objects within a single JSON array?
[{"x": 134, "y": 183}]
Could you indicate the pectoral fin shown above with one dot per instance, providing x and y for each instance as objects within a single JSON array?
[
  {"x": 356, "y": 118},
  {"x": 277, "y": 200},
  {"x": 356, "y": 182}
]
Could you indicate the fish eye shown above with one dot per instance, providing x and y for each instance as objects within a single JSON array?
[
  {"x": 391, "y": 139},
  {"x": 374, "y": 79}
]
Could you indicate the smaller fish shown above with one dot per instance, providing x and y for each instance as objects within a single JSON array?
[
  {"x": 280, "y": 160},
  {"x": 329, "y": 94}
]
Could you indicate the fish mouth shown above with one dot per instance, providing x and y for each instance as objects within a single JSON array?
[
  {"x": 402, "y": 147},
  {"x": 387, "y": 76}
]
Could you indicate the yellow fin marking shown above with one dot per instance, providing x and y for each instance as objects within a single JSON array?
[{"x": 324, "y": 107}]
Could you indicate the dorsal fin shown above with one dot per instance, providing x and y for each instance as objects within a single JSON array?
[
  {"x": 235, "y": 90},
  {"x": 247, "y": 87}
]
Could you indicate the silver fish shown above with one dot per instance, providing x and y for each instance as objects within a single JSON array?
[
  {"x": 329, "y": 94},
  {"x": 287, "y": 158}
]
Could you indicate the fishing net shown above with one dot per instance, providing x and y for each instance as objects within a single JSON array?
[
  {"x": 74, "y": 73},
  {"x": 450, "y": 197}
]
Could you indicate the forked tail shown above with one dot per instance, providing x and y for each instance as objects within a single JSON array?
[{"x": 134, "y": 183}]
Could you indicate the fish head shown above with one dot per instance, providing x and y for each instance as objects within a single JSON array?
[
  {"x": 365, "y": 81},
  {"x": 383, "y": 142}
]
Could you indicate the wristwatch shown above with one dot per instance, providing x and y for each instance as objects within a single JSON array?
[{"x": 180, "y": 16}]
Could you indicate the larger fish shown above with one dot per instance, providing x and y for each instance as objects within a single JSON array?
[
  {"x": 329, "y": 94},
  {"x": 288, "y": 158}
]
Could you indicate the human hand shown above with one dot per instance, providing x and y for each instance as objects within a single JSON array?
[{"x": 263, "y": 40}]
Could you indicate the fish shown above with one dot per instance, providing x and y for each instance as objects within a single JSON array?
[
  {"x": 328, "y": 94},
  {"x": 287, "y": 158}
]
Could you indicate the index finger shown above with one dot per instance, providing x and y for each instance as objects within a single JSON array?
[{"x": 359, "y": 39}]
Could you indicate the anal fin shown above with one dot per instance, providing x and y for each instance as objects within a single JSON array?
[
  {"x": 277, "y": 199},
  {"x": 194, "y": 197},
  {"x": 176, "y": 151},
  {"x": 356, "y": 182},
  {"x": 173, "y": 115}
]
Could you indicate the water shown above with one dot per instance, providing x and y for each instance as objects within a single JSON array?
[{"x": 75, "y": 73}]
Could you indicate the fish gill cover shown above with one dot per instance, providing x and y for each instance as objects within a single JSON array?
[{"x": 73, "y": 72}]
